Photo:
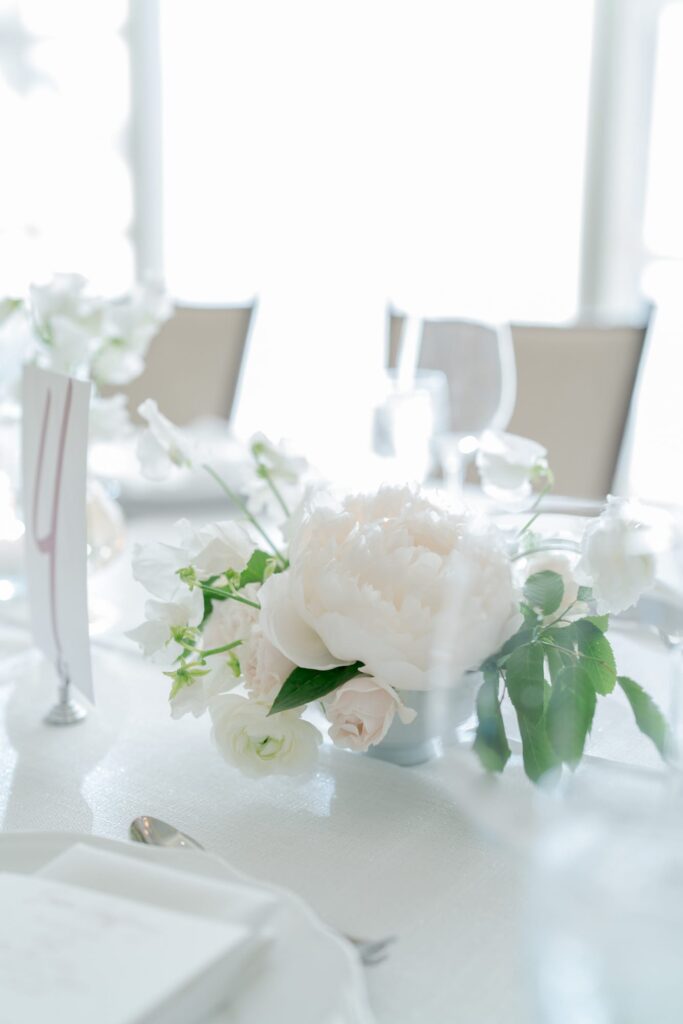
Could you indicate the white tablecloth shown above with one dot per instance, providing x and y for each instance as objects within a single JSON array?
[{"x": 375, "y": 849}]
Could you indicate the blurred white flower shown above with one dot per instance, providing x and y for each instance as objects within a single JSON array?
[
  {"x": 550, "y": 561},
  {"x": 368, "y": 579},
  {"x": 128, "y": 327},
  {"x": 508, "y": 465},
  {"x": 361, "y": 712},
  {"x": 109, "y": 419},
  {"x": 617, "y": 557},
  {"x": 64, "y": 298},
  {"x": 260, "y": 745},
  {"x": 166, "y": 623},
  {"x": 264, "y": 667},
  {"x": 288, "y": 473},
  {"x": 162, "y": 445},
  {"x": 17, "y": 346}
]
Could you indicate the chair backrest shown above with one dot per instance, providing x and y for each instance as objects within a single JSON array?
[
  {"x": 194, "y": 363},
  {"x": 479, "y": 362},
  {"x": 574, "y": 389}
]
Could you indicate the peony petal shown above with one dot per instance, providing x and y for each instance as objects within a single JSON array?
[{"x": 288, "y": 631}]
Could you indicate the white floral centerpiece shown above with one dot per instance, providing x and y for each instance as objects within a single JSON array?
[{"x": 338, "y": 608}]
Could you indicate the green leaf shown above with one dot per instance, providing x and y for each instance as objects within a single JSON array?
[
  {"x": 544, "y": 590},
  {"x": 597, "y": 655},
  {"x": 524, "y": 679},
  {"x": 584, "y": 594},
  {"x": 257, "y": 569},
  {"x": 304, "y": 685},
  {"x": 523, "y": 637},
  {"x": 570, "y": 712},
  {"x": 649, "y": 718},
  {"x": 490, "y": 743},
  {"x": 538, "y": 755},
  {"x": 601, "y": 622}
]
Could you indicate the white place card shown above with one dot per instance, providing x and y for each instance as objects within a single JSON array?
[{"x": 55, "y": 447}]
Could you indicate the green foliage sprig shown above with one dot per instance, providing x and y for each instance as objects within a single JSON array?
[{"x": 554, "y": 670}]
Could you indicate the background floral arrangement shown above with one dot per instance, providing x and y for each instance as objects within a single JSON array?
[
  {"x": 338, "y": 606},
  {"x": 65, "y": 327}
]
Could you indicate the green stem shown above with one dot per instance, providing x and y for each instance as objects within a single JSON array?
[
  {"x": 276, "y": 490},
  {"x": 541, "y": 495},
  {"x": 235, "y": 498},
  {"x": 220, "y": 650},
  {"x": 223, "y": 595}
]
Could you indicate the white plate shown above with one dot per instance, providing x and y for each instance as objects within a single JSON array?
[{"x": 311, "y": 976}]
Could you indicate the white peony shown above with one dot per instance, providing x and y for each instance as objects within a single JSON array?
[
  {"x": 617, "y": 557},
  {"x": 261, "y": 745},
  {"x": 162, "y": 446},
  {"x": 509, "y": 464},
  {"x": 165, "y": 620},
  {"x": 368, "y": 579},
  {"x": 361, "y": 712},
  {"x": 264, "y": 667}
]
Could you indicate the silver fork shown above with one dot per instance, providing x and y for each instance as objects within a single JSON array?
[{"x": 155, "y": 832}]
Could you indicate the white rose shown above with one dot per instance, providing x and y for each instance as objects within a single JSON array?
[
  {"x": 231, "y": 620},
  {"x": 508, "y": 464},
  {"x": 264, "y": 667},
  {"x": 262, "y": 745},
  {"x": 162, "y": 445},
  {"x": 617, "y": 558},
  {"x": 367, "y": 580},
  {"x": 361, "y": 712}
]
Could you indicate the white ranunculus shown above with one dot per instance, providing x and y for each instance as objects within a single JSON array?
[
  {"x": 162, "y": 445},
  {"x": 369, "y": 578},
  {"x": 264, "y": 667},
  {"x": 617, "y": 557},
  {"x": 361, "y": 712},
  {"x": 508, "y": 464},
  {"x": 260, "y": 745},
  {"x": 231, "y": 620},
  {"x": 155, "y": 636}
]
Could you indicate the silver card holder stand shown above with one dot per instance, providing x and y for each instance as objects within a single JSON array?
[{"x": 66, "y": 711}]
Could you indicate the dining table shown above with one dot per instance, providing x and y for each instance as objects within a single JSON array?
[{"x": 375, "y": 849}]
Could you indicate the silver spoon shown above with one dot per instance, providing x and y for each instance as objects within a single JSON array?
[{"x": 155, "y": 832}]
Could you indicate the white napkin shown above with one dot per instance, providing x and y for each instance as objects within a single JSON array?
[
  {"x": 161, "y": 886},
  {"x": 68, "y": 953}
]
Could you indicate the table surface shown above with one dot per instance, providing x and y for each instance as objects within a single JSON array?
[{"x": 374, "y": 848}]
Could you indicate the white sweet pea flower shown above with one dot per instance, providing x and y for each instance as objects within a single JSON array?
[
  {"x": 64, "y": 297},
  {"x": 361, "y": 712},
  {"x": 369, "y": 577},
  {"x": 162, "y": 445},
  {"x": 508, "y": 466},
  {"x": 69, "y": 348},
  {"x": 194, "y": 698},
  {"x": 617, "y": 557},
  {"x": 260, "y": 745},
  {"x": 166, "y": 622},
  {"x": 221, "y": 546},
  {"x": 287, "y": 473}
]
